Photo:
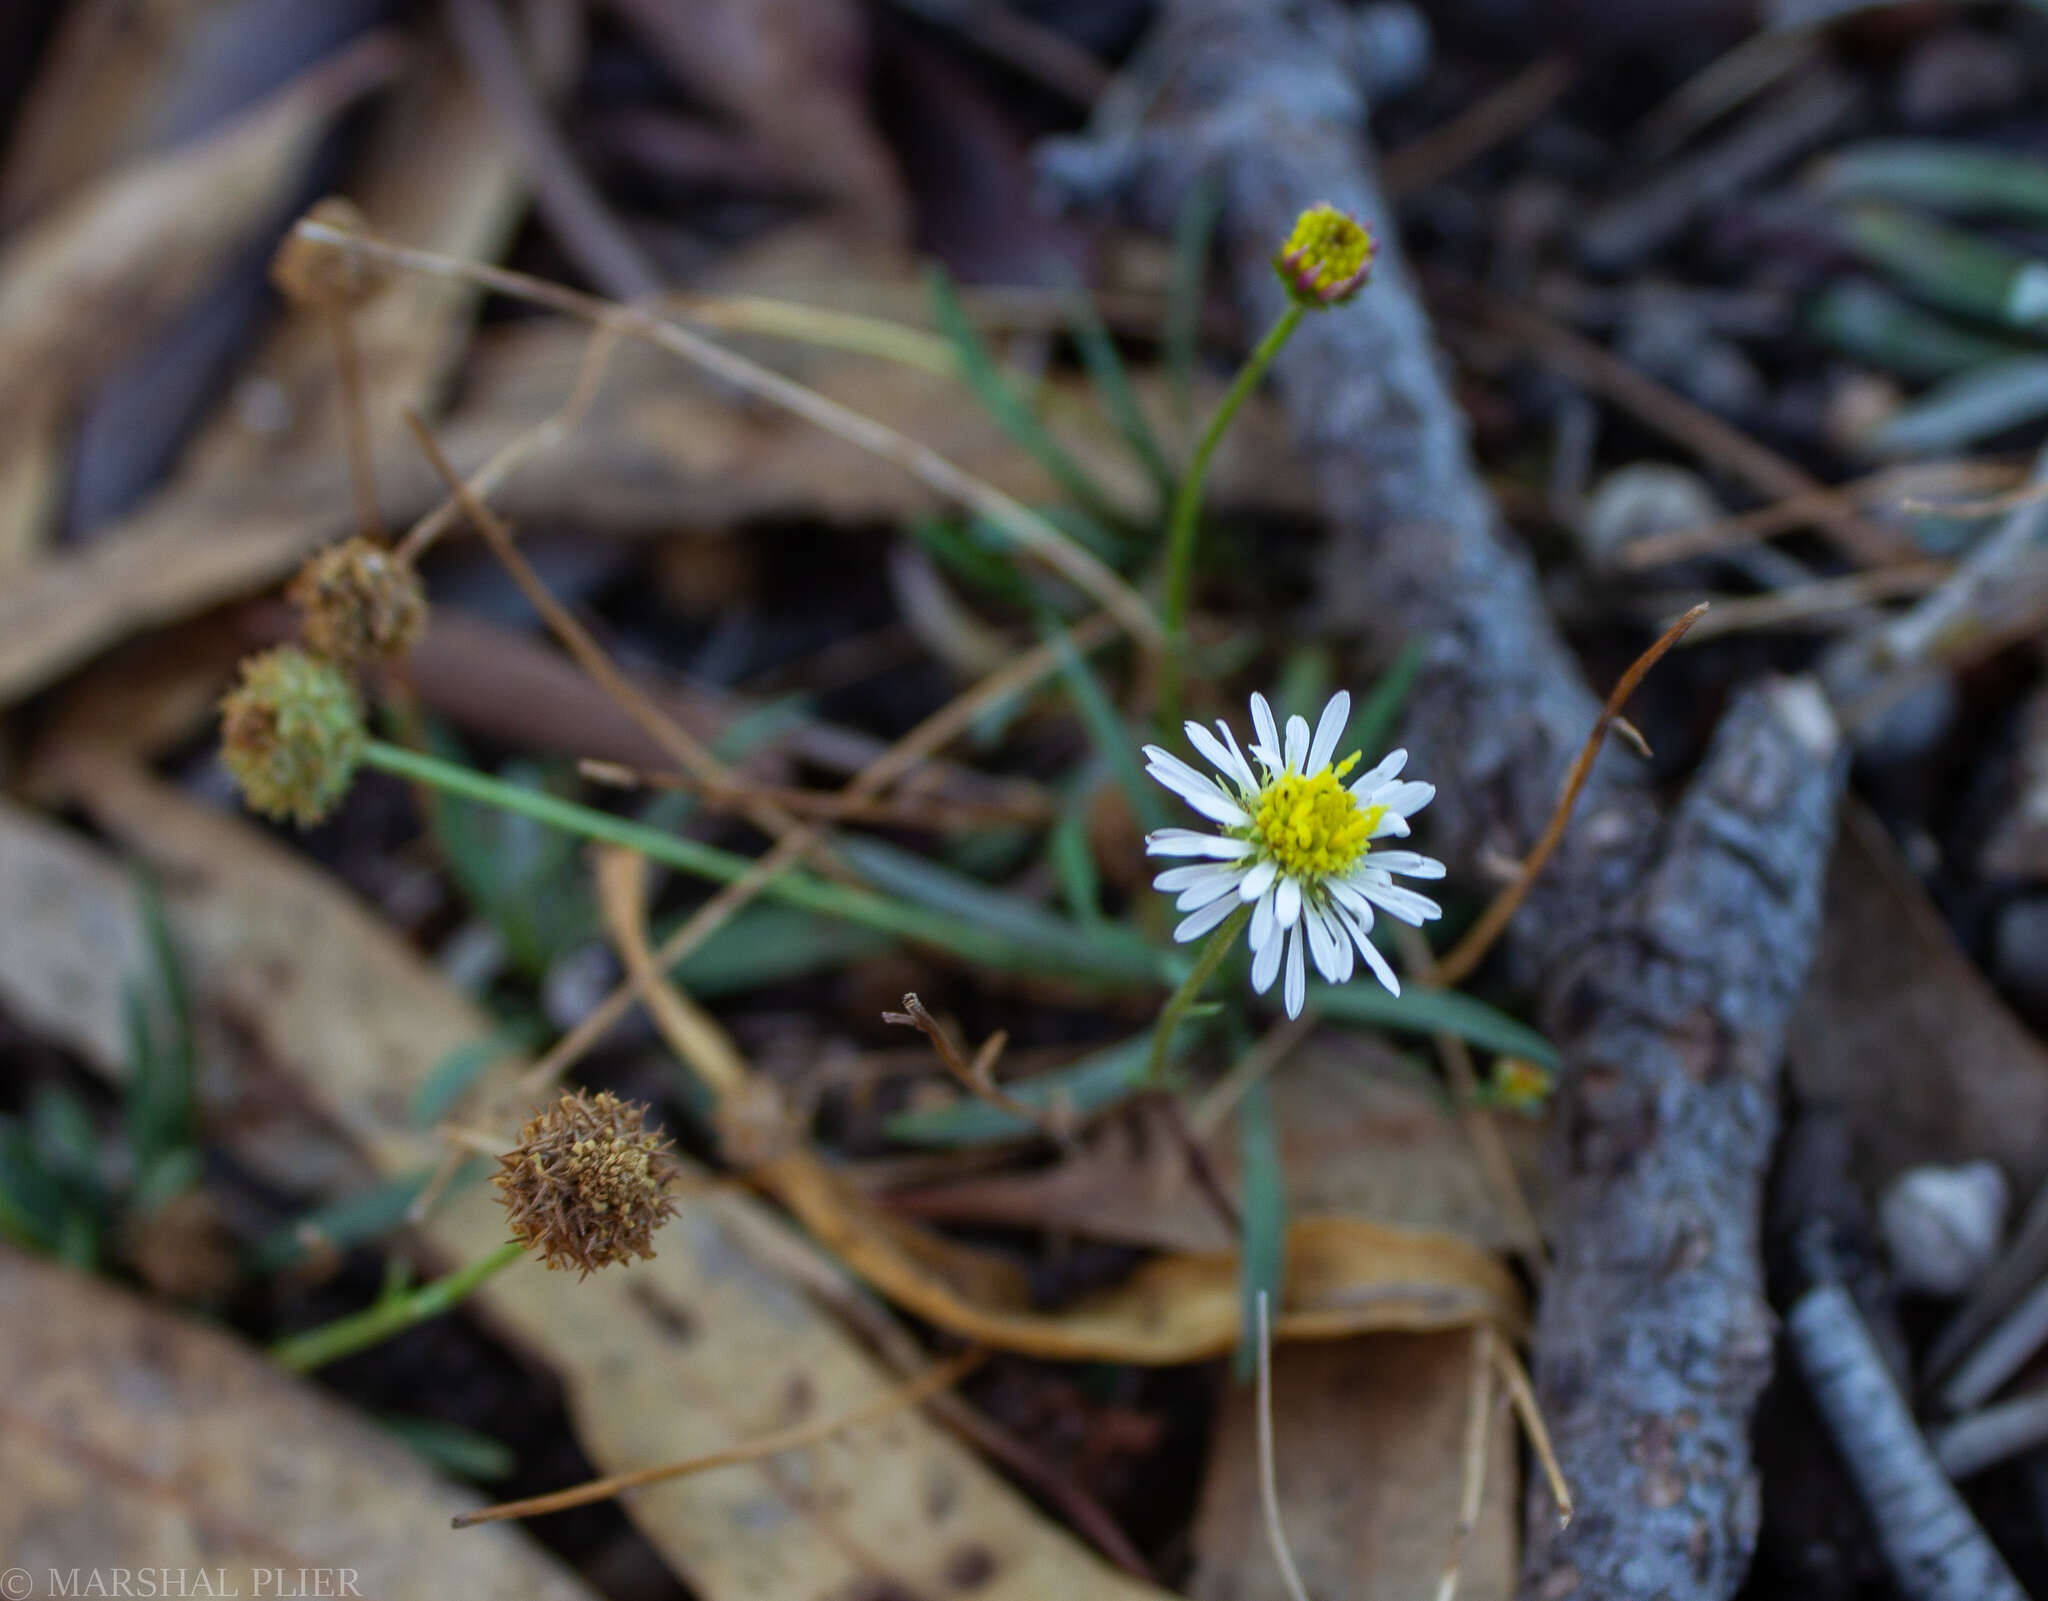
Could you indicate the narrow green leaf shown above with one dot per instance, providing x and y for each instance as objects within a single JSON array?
[
  {"x": 1857, "y": 317},
  {"x": 1009, "y": 410},
  {"x": 449, "y": 1079},
  {"x": 1262, "y": 1251},
  {"x": 1978, "y": 405},
  {"x": 1949, "y": 267},
  {"x": 764, "y": 945},
  {"x": 1073, "y": 860},
  {"x": 1112, "y": 738},
  {"x": 1427, "y": 1011},
  {"x": 1373, "y": 724},
  {"x": 461, "y": 1453},
  {"x": 1113, "y": 383},
  {"x": 1085, "y": 1088},
  {"x": 369, "y": 1214},
  {"x": 1961, "y": 179},
  {"x": 1186, "y": 290}
]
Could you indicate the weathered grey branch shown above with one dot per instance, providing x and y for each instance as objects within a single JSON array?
[{"x": 1666, "y": 956}]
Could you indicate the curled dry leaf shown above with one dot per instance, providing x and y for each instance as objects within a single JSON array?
[
  {"x": 709, "y": 1343},
  {"x": 132, "y": 1439},
  {"x": 1344, "y": 1275}
]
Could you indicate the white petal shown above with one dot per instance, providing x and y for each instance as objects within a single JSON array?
[
  {"x": 1407, "y": 798},
  {"x": 1323, "y": 943},
  {"x": 1392, "y": 824},
  {"x": 1207, "y": 918},
  {"x": 1269, "y": 734},
  {"x": 1266, "y": 963},
  {"x": 1297, "y": 977},
  {"x": 1412, "y": 863},
  {"x": 1178, "y": 878},
  {"x": 1258, "y": 879},
  {"x": 1345, "y": 954},
  {"x": 1297, "y": 744},
  {"x": 1389, "y": 768},
  {"x": 1397, "y": 901},
  {"x": 1243, "y": 768},
  {"x": 1347, "y": 897},
  {"x": 1287, "y": 901},
  {"x": 1197, "y": 789},
  {"x": 1212, "y": 751},
  {"x": 1263, "y": 926},
  {"x": 1335, "y": 719},
  {"x": 1202, "y": 894},
  {"x": 1186, "y": 842},
  {"x": 1378, "y": 964}
]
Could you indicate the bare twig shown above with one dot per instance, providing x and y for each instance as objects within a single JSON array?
[
  {"x": 1472, "y": 1493},
  {"x": 941, "y": 1376},
  {"x": 1516, "y": 1378},
  {"x": 1491, "y": 120},
  {"x": 1269, "y": 1484},
  {"x": 1031, "y": 532},
  {"x": 1812, "y": 603},
  {"x": 1931, "y": 1544},
  {"x": 974, "y": 1076},
  {"x": 1466, "y": 955}
]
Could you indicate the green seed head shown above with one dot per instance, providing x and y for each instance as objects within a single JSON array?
[
  {"x": 1327, "y": 258},
  {"x": 292, "y": 733}
]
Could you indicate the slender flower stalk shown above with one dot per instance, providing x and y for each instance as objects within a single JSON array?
[
  {"x": 330, "y": 1342},
  {"x": 1191, "y": 987},
  {"x": 1295, "y": 845}
]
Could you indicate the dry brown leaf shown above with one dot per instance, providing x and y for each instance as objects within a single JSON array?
[
  {"x": 1362, "y": 1134},
  {"x": 1369, "y": 1452},
  {"x": 101, "y": 274},
  {"x": 1344, "y": 1275},
  {"x": 702, "y": 1346},
  {"x": 133, "y": 1439},
  {"x": 660, "y": 453},
  {"x": 1901, "y": 1034}
]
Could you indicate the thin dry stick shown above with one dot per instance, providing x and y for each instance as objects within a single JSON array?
[
  {"x": 975, "y": 1076},
  {"x": 543, "y": 435},
  {"x": 1491, "y": 120},
  {"x": 1516, "y": 1378},
  {"x": 1478, "y": 940},
  {"x": 942, "y": 1376},
  {"x": 923, "y": 741},
  {"x": 1472, "y": 1495},
  {"x": 832, "y": 806},
  {"x": 1798, "y": 511},
  {"x": 1824, "y": 597},
  {"x": 1031, "y": 532},
  {"x": 1494, "y": 1161},
  {"x": 1269, "y": 1483},
  {"x": 355, "y": 412},
  {"x": 1991, "y": 506},
  {"x": 1273, "y": 1048},
  {"x": 689, "y": 753}
]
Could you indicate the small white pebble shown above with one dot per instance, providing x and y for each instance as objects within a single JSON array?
[{"x": 1942, "y": 1225}]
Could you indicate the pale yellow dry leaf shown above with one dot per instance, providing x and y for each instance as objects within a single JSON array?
[{"x": 134, "y": 1439}]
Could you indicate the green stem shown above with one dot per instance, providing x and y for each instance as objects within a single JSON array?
[
  {"x": 968, "y": 940},
  {"x": 344, "y": 1336},
  {"x": 1190, "y": 990},
  {"x": 1187, "y": 503}
]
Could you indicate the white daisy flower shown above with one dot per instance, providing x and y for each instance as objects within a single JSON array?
[{"x": 1294, "y": 844}]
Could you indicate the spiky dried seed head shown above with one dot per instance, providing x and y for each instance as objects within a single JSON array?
[
  {"x": 1327, "y": 258},
  {"x": 588, "y": 1183},
  {"x": 291, "y": 734},
  {"x": 325, "y": 273},
  {"x": 357, "y": 602}
]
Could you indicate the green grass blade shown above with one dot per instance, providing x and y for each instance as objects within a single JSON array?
[
  {"x": 1872, "y": 324},
  {"x": 1952, "y": 268},
  {"x": 1373, "y": 724},
  {"x": 1426, "y": 1011},
  {"x": 1085, "y": 1088},
  {"x": 451, "y": 1449},
  {"x": 449, "y": 1079},
  {"x": 1073, "y": 861},
  {"x": 1963, "y": 179},
  {"x": 1113, "y": 740},
  {"x": 1262, "y": 1250},
  {"x": 1009, "y": 410},
  {"x": 1186, "y": 289},
  {"x": 1978, "y": 405},
  {"x": 1113, "y": 384}
]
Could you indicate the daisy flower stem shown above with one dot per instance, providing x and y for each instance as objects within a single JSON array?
[
  {"x": 1187, "y": 506},
  {"x": 1191, "y": 987}
]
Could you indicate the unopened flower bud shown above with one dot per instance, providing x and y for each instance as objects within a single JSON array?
[
  {"x": 291, "y": 734},
  {"x": 357, "y": 602},
  {"x": 588, "y": 1183},
  {"x": 1327, "y": 258},
  {"x": 327, "y": 273}
]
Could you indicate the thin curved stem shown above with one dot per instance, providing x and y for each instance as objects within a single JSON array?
[
  {"x": 344, "y": 1336},
  {"x": 1187, "y": 503},
  {"x": 1190, "y": 991}
]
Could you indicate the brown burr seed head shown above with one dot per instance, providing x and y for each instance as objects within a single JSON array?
[
  {"x": 324, "y": 273},
  {"x": 358, "y": 603},
  {"x": 588, "y": 1183}
]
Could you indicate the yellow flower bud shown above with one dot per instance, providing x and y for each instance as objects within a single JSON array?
[{"x": 1327, "y": 258}]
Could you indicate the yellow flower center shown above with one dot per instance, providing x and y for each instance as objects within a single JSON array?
[
  {"x": 1314, "y": 827},
  {"x": 1329, "y": 244}
]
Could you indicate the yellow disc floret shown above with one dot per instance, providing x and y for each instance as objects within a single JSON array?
[{"x": 1314, "y": 827}]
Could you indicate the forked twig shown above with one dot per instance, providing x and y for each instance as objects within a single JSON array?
[
  {"x": 977, "y": 1077},
  {"x": 1467, "y": 953},
  {"x": 940, "y": 1377}
]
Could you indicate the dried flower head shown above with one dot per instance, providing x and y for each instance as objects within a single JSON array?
[
  {"x": 357, "y": 602},
  {"x": 291, "y": 734},
  {"x": 326, "y": 273},
  {"x": 588, "y": 1183},
  {"x": 1327, "y": 258}
]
